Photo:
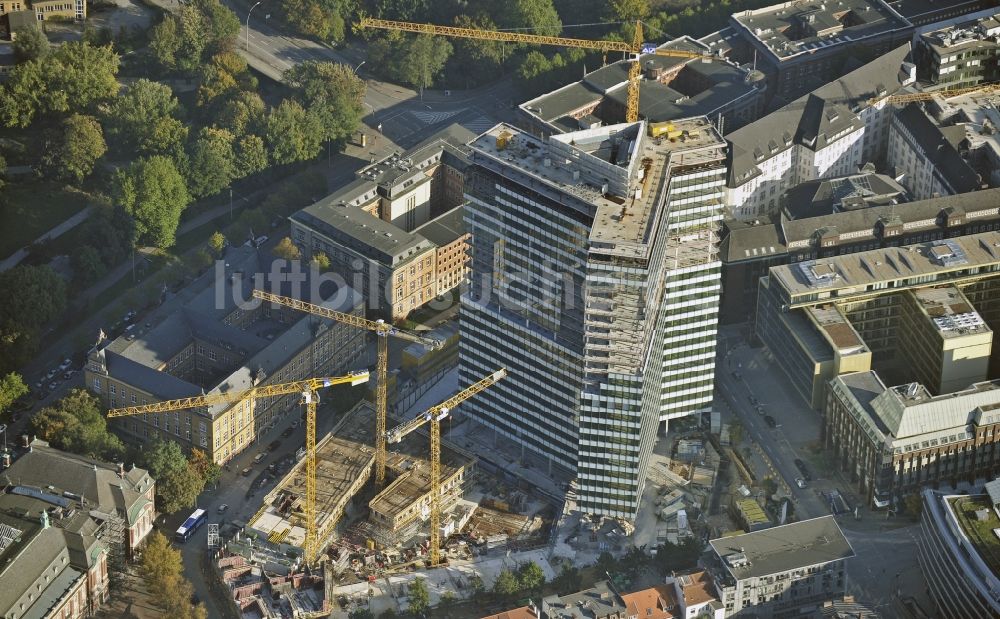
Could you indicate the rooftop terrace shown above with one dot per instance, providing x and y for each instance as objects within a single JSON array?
[{"x": 982, "y": 533}]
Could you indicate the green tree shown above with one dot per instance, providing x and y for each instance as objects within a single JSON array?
[
  {"x": 287, "y": 250},
  {"x": 153, "y": 193},
  {"x": 629, "y": 10},
  {"x": 143, "y": 120},
  {"x": 251, "y": 155},
  {"x": 212, "y": 163},
  {"x": 30, "y": 44},
  {"x": 321, "y": 260},
  {"x": 76, "y": 423},
  {"x": 40, "y": 298},
  {"x": 87, "y": 265},
  {"x": 165, "y": 41},
  {"x": 419, "y": 597},
  {"x": 74, "y": 76},
  {"x": 292, "y": 133},
  {"x": 477, "y": 586},
  {"x": 225, "y": 74},
  {"x": 11, "y": 388},
  {"x": 179, "y": 489},
  {"x": 221, "y": 26},
  {"x": 568, "y": 580},
  {"x": 606, "y": 563},
  {"x": 530, "y": 576},
  {"x": 217, "y": 242},
  {"x": 770, "y": 486},
  {"x": 323, "y": 19},
  {"x": 161, "y": 568},
  {"x": 448, "y": 599},
  {"x": 332, "y": 92},
  {"x": 205, "y": 466},
  {"x": 161, "y": 458},
  {"x": 414, "y": 60},
  {"x": 361, "y": 613},
  {"x": 242, "y": 113},
  {"x": 77, "y": 147},
  {"x": 672, "y": 557},
  {"x": 539, "y": 16},
  {"x": 506, "y": 584}
]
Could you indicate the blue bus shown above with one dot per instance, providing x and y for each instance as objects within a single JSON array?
[{"x": 191, "y": 525}]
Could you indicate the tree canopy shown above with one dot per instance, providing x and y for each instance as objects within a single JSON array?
[
  {"x": 76, "y": 423},
  {"x": 40, "y": 298},
  {"x": 211, "y": 163},
  {"x": 332, "y": 92},
  {"x": 30, "y": 44},
  {"x": 11, "y": 388},
  {"x": 73, "y": 76},
  {"x": 414, "y": 60},
  {"x": 153, "y": 193},
  {"x": 144, "y": 120},
  {"x": 162, "y": 570},
  {"x": 293, "y": 134},
  {"x": 78, "y": 145},
  {"x": 419, "y": 596}
]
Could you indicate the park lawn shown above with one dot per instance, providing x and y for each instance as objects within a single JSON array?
[{"x": 30, "y": 209}]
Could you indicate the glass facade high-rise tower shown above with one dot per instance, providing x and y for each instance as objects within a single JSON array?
[{"x": 595, "y": 283}]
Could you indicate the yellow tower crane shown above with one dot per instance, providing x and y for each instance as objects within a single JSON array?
[
  {"x": 382, "y": 330},
  {"x": 434, "y": 415},
  {"x": 911, "y": 97},
  {"x": 309, "y": 389},
  {"x": 633, "y": 49}
]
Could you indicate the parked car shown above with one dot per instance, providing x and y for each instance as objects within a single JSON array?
[
  {"x": 68, "y": 375},
  {"x": 65, "y": 364},
  {"x": 246, "y": 472},
  {"x": 274, "y": 446},
  {"x": 801, "y": 483},
  {"x": 753, "y": 400},
  {"x": 52, "y": 374},
  {"x": 799, "y": 464},
  {"x": 287, "y": 432},
  {"x": 222, "y": 508},
  {"x": 259, "y": 457},
  {"x": 296, "y": 423},
  {"x": 260, "y": 240},
  {"x": 769, "y": 420},
  {"x": 53, "y": 385},
  {"x": 129, "y": 316}
]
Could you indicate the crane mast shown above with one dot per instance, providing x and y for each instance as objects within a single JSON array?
[
  {"x": 309, "y": 389},
  {"x": 633, "y": 49},
  {"x": 383, "y": 331},
  {"x": 434, "y": 415}
]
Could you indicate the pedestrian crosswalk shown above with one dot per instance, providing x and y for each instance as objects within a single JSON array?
[
  {"x": 433, "y": 118},
  {"x": 480, "y": 124}
]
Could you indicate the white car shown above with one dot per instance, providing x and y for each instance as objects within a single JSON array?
[
  {"x": 801, "y": 483},
  {"x": 65, "y": 364}
]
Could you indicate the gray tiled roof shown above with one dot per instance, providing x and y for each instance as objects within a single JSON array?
[
  {"x": 939, "y": 145},
  {"x": 446, "y": 228},
  {"x": 819, "y": 114},
  {"x": 820, "y": 197},
  {"x": 785, "y": 548},
  {"x": 368, "y": 235}
]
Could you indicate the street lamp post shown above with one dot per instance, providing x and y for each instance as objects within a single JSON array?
[
  {"x": 359, "y": 66},
  {"x": 248, "y": 23}
]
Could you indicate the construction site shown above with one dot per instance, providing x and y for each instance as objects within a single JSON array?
[{"x": 368, "y": 533}]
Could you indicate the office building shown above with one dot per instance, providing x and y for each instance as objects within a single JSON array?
[
  {"x": 394, "y": 233},
  {"x": 830, "y": 132},
  {"x": 222, "y": 340},
  {"x": 65, "y": 522},
  {"x": 897, "y": 309},
  {"x": 801, "y": 45},
  {"x": 893, "y": 441},
  {"x": 926, "y": 12},
  {"x": 958, "y": 554},
  {"x": 749, "y": 249},
  {"x": 926, "y": 156},
  {"x": 852, "y": 192},
  {"x": 595, "y": 283},
  {"x": 786, "y": 571},
  {"x": 669, "y": 88},
  {"x": 959, "y": 55}
]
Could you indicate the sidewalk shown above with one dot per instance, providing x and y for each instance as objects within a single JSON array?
[{"x": 14, "y": 259}]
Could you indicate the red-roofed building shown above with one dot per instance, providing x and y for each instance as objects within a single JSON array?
[
  {"x": 657, "y": 602},
  {"x": 524, "y": 612}
]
